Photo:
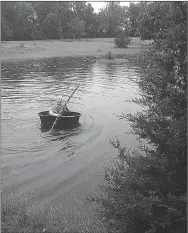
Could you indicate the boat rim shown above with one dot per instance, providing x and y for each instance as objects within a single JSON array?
[{"x": 77, "y": 114}]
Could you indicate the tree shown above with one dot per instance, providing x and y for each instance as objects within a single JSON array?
[
  {"x": 43, "y": 9},
  {"x": 20, "y": 18},
  {"x": 77, "y": 28},
  {"x": 90, "y": 21},
  {"x": 145, "y": 191},
  {"x": 123, "y": 32},
  {"x": 151, "y": 19},
  {"x": 65, "y": 14},
  {"x": 133, "y": 14},
  {"x": 6, "y": 32},
  {"x": 28, "y": 20},
  {"x": 52, "y": 27},
  {"x": 84, "y": 12},
  {"x": 110, "y": 17}
]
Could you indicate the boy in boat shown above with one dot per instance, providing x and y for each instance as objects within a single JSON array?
[{"x": 58, "y": 107}]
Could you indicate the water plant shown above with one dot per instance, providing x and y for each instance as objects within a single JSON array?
[{"x": 21, "y": 45}]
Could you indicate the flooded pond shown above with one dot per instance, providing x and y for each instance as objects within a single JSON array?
[{"x": 64, "y": 165}]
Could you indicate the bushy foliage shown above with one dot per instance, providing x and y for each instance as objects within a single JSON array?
[
  {"x": 37, "y": 35},
  {"x": 77, "y": 28},
  {"x": 37, "y": 20},
  {"x": 52, "y": 27},
  {"x": 133, "y": 13},
  {"x": 110, "y": 18},
  {"x": 122, "y": 41},
  {"x": 145, "y": 190},
  {"x": 6, "y": 32},
  {"x": 109, "y": 55}
]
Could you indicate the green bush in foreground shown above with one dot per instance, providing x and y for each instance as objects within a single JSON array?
[{"x": 145, "y": 191}]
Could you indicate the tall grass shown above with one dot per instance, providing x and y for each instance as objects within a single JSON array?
[{"x": 25, "y": 214}]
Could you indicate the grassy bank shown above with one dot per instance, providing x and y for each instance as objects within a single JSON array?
[
  {"x": 26, "y": 214},
  {"x": 62, "y": 48}
]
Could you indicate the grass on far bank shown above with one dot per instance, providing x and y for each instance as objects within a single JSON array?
[{"x": 62, "y": 48}]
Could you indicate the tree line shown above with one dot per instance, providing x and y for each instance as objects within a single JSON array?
[{"x": 70, "y": 20}]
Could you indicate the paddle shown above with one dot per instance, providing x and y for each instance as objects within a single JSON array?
[{"x": 62, "y": 111}]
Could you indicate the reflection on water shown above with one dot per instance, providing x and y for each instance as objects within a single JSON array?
[{"x": 55, "y": 163}]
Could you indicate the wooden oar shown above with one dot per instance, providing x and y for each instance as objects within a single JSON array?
[{"x": 62, "y": 111}]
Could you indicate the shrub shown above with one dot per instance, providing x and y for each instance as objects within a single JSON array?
[
  {"x": 145, "y": 191},
  {"x": 22, "y": 45},
  {"x": 109, "y": 55},
  {"x": 37, "y": 35},
  {"x": 122, "y": 41}
]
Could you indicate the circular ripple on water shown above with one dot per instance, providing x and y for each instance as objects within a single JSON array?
[{"x": 29, "y": 87}]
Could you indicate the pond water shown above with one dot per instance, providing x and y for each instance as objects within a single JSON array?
[{"x": 63, "y": 165}]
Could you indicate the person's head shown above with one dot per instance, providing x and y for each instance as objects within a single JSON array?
[{"x": 59, "y": 99}]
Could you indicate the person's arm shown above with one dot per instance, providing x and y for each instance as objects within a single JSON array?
[
  {"x": 54, "y": 111},
  {"x": 51, "y": 113}
]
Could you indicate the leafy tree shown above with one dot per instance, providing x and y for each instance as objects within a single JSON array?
[
  {"x": 6, "y": 32},
  {"x": 84, "y": 12},
  {"x": 65, "y": 14},
  {"x": 145, "y": 191},
  {"x": 52, "y": 27},
  {"x": 110, "y": 17},
  {"x": 43, "y": 9},
  {"x": 133, "y": 14},
  {"x": 20, "y": 18},
  {"x": 79, "y": 9},
  {"x": 123, "y": 39},
  {"x": 28, "y": 20},
  {"x": 77, "y": 28},
  {"x": 90, "y": 21},
  {"x": 145, "y": 22},
  {"x": 63, "y": 11},
  {"x": 8, "y": 10},
  {"x": 151, "y": 19}
]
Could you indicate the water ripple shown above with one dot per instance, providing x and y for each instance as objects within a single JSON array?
[{"x": 38, "y": 157}]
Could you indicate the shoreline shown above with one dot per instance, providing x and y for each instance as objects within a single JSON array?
[{"x": 26, "y": 50}]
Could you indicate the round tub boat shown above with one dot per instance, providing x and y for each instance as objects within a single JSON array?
[{"x": 68, "y": 120}]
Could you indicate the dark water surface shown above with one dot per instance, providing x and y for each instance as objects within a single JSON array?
[{"x": 64, "y": 165}]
